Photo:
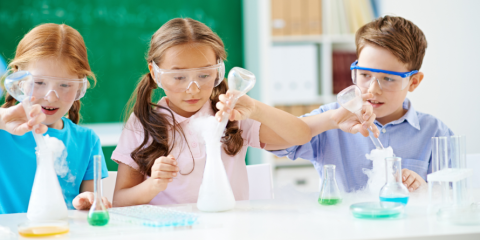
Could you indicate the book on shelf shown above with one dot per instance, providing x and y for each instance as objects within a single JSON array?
[
  {"x": 347, "y": 16},
  {"x": 278, "y": 17},
  {"x": 341, "y": 62},
  {"x": 304, "y": 17},
  {"x": 296, "y": 17}
]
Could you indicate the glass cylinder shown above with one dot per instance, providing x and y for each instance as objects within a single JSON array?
[
  {"x": 329, "y": 194},
  {"x": 394, "y": 190},
  {"x": 98, "y": 214}
]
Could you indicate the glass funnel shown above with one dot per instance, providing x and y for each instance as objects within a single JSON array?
[
  {"x": 394, "y": 190},
  {"x": 350, "y": 98},
  {"x": 98, "y": 214},
  {"x": 329, "y": 194}
]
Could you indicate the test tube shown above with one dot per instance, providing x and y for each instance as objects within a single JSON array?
[
  {"x": 459, "y": 160},
  {"x": 440, "y": 161}
]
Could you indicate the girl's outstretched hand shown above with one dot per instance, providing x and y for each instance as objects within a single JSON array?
[
  {"x": 244, "y": 108},
  {"x": 349, "y": 122},
  {"x": 84, "y": 201}
]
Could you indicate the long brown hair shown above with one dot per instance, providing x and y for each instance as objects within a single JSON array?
[
  {"x": 53, "y": 40},
  {"x": 155, "y": 124}
]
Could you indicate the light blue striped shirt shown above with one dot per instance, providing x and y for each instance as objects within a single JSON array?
[{"x": 410, "y": 137}]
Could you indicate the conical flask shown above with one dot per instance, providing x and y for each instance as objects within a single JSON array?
[
  {"x": 394, "y": 190},
  {"x": 98, "y": 214},
  {"x": 46, "y": 200},
  {"x": 329, "y": 194},
  {"x": 215, "y": 193}
]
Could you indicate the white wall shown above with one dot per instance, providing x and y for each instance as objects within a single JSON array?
[{"x": 451, "y": 88}]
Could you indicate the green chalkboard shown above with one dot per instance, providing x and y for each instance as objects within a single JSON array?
[{"x": 117, "y": 34}]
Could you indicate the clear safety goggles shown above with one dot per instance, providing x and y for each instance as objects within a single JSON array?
[
  {"x": 181, "y": 80},
  {"x": 387, "y": 80},
  {"x": 23, "y": 83}
]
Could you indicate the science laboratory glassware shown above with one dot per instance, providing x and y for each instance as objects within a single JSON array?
[
  {"x": 394, "y": 190},
  {"x": 329, "y": 193}
]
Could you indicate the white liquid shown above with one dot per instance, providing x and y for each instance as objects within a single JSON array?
[
  {"x": 46, "y": 200},
  {"x": 376, "y": 175},
  {"x": 215, "y": 193}
]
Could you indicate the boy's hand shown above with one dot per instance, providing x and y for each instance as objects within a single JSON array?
[
  {"x": 243, "y": 109},
  {"x": 15, "y": 121},
  {"x": 163, "y": 171},
  {"x": 84, "y": 201},
  {"x": 411, "y": 180}
]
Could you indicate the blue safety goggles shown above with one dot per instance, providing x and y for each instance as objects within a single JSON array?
[
  {"x": 400, "y": 74},
  {"x": 388, "y": 80}
]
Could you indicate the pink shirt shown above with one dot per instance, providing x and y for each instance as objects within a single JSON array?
[{"x": 184, "y": 188}]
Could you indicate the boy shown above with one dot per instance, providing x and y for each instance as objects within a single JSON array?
[{"x": 390, "y": 52}]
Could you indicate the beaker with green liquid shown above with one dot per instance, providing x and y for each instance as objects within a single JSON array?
[
  {"x": 98, "y": 214},
  {"x": 329, "y": 193}
]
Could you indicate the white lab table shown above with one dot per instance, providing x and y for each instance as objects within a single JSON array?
[{"x": 292, "y": 215}]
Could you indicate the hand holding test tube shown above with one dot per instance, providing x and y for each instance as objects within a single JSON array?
[{"x": 351, "y": 99}]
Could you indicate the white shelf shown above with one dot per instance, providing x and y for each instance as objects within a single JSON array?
[
  {"x": 109, "y": 133},
  {"x": 286, "y": 162},
  {"x": 318, "y": 100},
  {"x": 320, "y": 39}
]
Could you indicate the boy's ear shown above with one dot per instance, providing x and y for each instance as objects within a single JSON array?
[{"x": 416, "y": 80}]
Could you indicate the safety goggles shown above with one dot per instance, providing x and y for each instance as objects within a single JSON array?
[
  {"x": 387, "y": 80},
  {"x": 181, "y": 80},
  {"x": 23, "y": 83}
]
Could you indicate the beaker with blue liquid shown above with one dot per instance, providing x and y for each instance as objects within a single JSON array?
[{"x": 394, "y": 190}]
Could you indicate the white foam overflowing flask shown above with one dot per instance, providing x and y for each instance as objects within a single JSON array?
[{"x": 215, "y": 193}]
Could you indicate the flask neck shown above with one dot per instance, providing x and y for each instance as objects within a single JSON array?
[
  {"x": 97, "y": 168},
  {"x": 329, "y": 172},
  {"x": 393, "y": 167}
]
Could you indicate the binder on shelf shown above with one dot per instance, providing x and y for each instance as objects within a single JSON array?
[
  {"x": 287, "y": 6},
  {"x": 294, "y": 73},
  {"x": 341, "y": 62},
  {"x": 313, "y": 20},
  {"x": 297, "y": 17},
  {"x": 347, "y": 16},
  {"x": 278, "y": 17}
]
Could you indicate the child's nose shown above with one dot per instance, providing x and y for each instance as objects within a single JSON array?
[
  {"x": 193, "y": 87},
  {"x": 51, "y": 96},
  {"x": 374, "y": 87}
]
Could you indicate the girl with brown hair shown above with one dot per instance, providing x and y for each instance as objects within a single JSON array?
[
  {"x": 161, "y": 159},
  {"x": 56, "y": 58}
]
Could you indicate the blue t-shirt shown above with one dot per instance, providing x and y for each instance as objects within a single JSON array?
[{"x": 18, "y": 164}]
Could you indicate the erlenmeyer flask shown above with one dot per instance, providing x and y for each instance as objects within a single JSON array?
[
  {"x": 46, "y": 200},
  {"x": 98, "y": 214},
  {"x": 215, "y": 192},
  {"x": 329, "y": 194},
  {"x": 394, "y": 190}
]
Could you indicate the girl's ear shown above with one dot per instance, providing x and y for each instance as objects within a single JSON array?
[
  {"x": 416, "y": 80},
  {"x": 150, "y": 68}
]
